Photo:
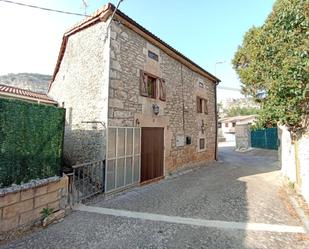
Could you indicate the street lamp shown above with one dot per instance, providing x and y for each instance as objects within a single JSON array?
[{"x": 218, "y": 62}]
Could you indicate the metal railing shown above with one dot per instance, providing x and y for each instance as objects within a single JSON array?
[{"x": 87, "y": 180}]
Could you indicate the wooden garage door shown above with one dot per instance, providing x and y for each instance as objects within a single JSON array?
[{"x": 152, "y": 151}]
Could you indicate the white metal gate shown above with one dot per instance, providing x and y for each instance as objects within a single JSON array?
[{"x": 122, "y": 158}]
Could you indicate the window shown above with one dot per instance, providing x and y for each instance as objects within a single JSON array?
[
  {"x": 151, "y": 86},
  {"x": 233, "y": 124},
  {"x": 201, "y": 85},
  {"x": 153, "y": 55},
  {"x": 219, "y": 125},
  {"x": 226, "y": 124},
  {"x": 202, "y": 143},
  {"x": 199, "y": 105}
]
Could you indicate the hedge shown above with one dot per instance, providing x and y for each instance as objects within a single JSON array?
[{"x": 31, "y": 140}]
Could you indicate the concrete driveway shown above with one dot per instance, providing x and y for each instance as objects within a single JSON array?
[{"x": 234, "y": 203}]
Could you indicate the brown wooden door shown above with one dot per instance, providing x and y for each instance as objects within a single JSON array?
[{"x": 152, "y": 151}]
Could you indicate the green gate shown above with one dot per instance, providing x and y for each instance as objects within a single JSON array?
[{"x": 265, "y": 138}]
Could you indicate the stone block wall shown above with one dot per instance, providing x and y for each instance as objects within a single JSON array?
[
  {"x": 22, "y": 205},
  {"x": 242, "y": 136},
  {"x": 82, "y": 85},
  {"x": 178, "y": 114}
]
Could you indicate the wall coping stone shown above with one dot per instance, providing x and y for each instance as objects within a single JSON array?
[{"x": 32, "y": 184}]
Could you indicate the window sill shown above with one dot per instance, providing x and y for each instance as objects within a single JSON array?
[{"x": 203, "y": 150}]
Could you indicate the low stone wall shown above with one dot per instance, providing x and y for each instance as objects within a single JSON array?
[
  {"x": 21, "y": 206},
  {"x": 303, "y": 157},
  {"x": 294, "y": 158},
  {"x": 286, "y": 154}
]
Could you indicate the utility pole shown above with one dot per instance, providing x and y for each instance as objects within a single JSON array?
[{"x": 85, "y": 6}]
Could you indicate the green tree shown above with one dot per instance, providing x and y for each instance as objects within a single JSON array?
[{"x": 273, "y": 62}]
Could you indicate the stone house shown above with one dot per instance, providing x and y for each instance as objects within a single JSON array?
[
  {"x": 227, "y": 126},
  {"x": 133, "y": 100}
]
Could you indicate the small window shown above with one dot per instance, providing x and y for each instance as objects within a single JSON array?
[
  {"x": 219, "y": 125},
  {"x": 201, "y": 85},
  {"x": 152, "y": 86},
  {"x": 233, "y": 124},
  {"x": 202, "y": 143},
  {"x": 226, "y": 124},
  {"x": 199, "y": 105},
  {"x": 153, "y": 55}
]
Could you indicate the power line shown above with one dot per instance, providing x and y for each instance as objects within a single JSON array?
[{"x": 43, "y": 8}]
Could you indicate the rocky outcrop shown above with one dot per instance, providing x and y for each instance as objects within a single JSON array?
[{"x": 28, "y": 81}]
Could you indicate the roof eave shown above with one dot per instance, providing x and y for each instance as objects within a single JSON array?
[
  {"x": 102, "y": 15},
  {"x": 12, "y": 95}
]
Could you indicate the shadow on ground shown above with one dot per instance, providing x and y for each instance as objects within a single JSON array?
[{"x": 240, "y": 187}]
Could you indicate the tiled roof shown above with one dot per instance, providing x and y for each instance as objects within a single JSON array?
[
  {"x": 103, "y": 14},
  {"x": 25, "y": 94}
]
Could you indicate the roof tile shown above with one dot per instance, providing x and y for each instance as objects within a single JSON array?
[{"x": 21, "y": 93}]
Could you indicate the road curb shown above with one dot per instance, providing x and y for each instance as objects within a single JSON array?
[{"x": 300, "y": 213}]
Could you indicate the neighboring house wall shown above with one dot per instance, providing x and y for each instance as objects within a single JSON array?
[
  {"x": 178, "y": 114},
  {"x": 227, "y": 127},
  {"x": 294, "y": 158},
  {"x": 82, "y": 84}
]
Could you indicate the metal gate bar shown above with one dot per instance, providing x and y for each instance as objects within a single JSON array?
[{"x": 88, "y": 180}]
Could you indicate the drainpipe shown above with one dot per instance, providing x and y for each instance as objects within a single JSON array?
[
  {"x": 114, "y": 13},
  {"x": 183, "y": 102},
  {"x": 216, "y": 123}
]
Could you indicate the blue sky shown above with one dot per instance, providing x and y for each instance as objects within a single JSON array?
[{"x": 205, "y": 31}]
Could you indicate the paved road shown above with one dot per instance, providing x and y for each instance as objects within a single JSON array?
[{"x": 241, "y": 193}]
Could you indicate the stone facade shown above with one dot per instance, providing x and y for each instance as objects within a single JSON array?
[
  {"x": 81, "y": 85},
  {"x": 21, "y": 206},
  {"x": 178, "y": 114},
  {"x": 99, "y": 80}
]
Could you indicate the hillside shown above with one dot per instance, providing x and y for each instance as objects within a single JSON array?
[{"x": 29, "y": 81}]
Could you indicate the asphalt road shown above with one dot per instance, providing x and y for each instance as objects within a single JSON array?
[{"x": 241, "y": 192}]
